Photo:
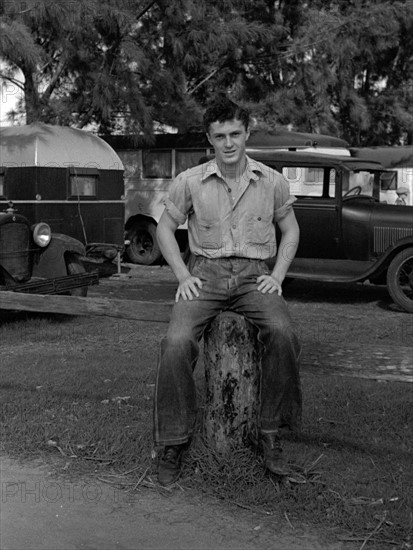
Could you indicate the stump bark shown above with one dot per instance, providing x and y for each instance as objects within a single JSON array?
[{"x": 232, "y": 375}]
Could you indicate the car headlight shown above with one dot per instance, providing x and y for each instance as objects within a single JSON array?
[{"x": 42, "y": 234}]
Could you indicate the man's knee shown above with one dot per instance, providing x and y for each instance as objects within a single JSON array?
[
  {"x": 177, "y": 340},
  {"x": 276, "y": 331}
]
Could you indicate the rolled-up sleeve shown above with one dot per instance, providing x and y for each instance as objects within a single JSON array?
[
  {"x": 179, "y": 201},
  {"x": 281, "y": 212},
  {"x": 283, "y": 200}
]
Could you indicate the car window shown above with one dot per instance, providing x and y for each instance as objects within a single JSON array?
[
  {"x": 358, "y": 183},
  {"x": 388, "y": 187},
  {"x": 311, "y": 181}
]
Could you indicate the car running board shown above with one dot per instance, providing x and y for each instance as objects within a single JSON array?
[{"x": 339, "y": 271}]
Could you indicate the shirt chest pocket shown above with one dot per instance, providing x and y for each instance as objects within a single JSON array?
[
  {"x": 208, "y": 214},
  {"x": 209, "y": 234},
  {"x": 260, "y": 229}
]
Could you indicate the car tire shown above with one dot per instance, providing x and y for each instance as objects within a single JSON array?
[
  {"x": 400, "y": 279},
  {"x": 143, "y": 248},
  {"x": 74, "y": 267}
]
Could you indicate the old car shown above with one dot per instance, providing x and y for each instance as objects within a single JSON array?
[
  {"x": 348, "y": 230},
  {"x": 35, "y": 260}
]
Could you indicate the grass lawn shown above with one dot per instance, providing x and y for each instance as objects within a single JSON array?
[{"x": 81, "y": 389}]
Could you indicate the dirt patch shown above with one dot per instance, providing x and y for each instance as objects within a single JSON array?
[{"x": 44, "y": 510}]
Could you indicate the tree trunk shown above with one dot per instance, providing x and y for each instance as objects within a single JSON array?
[
  {"x": 232, "y": 374},
  {"x": 31, "y": 98}
]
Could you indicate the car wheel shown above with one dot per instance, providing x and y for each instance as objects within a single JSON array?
[
  {"x": 143, "y": 248},
  {"x": 400, "y": 279},
  {"x": 74, "y": 267}
]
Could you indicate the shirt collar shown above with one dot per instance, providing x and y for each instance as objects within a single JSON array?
[{"x": 252, "y": 170}]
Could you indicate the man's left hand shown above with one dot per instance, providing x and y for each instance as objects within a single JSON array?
[{"x": 268, "y": 284}]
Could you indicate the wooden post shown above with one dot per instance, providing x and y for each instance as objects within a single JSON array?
[{"x": 232, "y": 374}]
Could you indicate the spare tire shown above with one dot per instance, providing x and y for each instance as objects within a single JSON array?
[{"x": 143, "y": 248}]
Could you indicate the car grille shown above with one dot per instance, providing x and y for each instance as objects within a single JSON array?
[{"x": 14, "y": 250}]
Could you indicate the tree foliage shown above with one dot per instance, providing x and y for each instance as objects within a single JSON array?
[{"x": 342, "y": 67}]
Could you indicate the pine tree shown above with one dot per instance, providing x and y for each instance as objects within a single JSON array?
[
  {"x": 133, "y": 61},
  {"x": 342, "y": 67}
]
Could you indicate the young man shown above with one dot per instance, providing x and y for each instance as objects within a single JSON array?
[{"x": 232, "y": 204}]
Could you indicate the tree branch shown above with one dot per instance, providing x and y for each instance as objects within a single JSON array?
[
  {"x": 148, "y": 7},
  {"x": 85, "y": 118},
  {"x": 55, "y": 78},
  {"x": 211, "y": 74},
  {"x": 13, "y": 81}
]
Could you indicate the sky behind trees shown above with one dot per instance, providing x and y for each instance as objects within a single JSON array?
[{"x": 341, "y": 67}]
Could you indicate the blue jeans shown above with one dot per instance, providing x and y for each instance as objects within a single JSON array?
[{"x": 228, "y": 284}]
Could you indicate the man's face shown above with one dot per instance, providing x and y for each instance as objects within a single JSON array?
[{"x": 228, "y": 140}]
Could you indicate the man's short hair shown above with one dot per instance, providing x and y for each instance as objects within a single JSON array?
[{"x": 222, "y": 109}]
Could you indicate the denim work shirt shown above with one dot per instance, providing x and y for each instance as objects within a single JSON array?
[{"x": 222, "y": 223}]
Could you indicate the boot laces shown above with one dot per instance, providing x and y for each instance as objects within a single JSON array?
[{"x": 171, "y": 455}]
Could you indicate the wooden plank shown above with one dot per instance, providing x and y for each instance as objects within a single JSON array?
[{"x": 76, "y": 305}]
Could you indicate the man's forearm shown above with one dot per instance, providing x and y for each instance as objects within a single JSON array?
[
  {"x": 170, "y": 251},
  {"x": 285, "y": 255}
]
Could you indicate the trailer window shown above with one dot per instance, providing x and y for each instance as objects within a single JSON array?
[
  {"x": 157, "y": 164},
  {"x": 130, "y": 161},
  {"x": 82, "y": 185},
  {"x": 185, "y": 159}
]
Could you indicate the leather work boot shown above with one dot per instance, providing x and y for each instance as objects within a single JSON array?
[
  {"x": 270, "y": 446},
  {"x": 169, "y": 466}
]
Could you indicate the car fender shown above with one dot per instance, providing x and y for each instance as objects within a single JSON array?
[
  {"x": 50, "y": 262},
  {"x": 385, "y": 259},
  {"x": 69, "y": 244}
]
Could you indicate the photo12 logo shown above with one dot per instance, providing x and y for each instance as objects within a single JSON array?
[{"x": 52, "y": 492}]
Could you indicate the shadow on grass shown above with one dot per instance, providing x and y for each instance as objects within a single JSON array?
[
  {"x": 339, "y": 444},
  {"x": 11, "y": 316},
  {"x": 337, "y": 293}
]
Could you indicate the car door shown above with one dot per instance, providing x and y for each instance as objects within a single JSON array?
[{"x": 316, "y": 209}]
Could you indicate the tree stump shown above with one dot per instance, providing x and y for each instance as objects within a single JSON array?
[{"x": 232, "y": 376}]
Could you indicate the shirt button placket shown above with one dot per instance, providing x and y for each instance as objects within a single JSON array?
[{"x": 231, "y": 198}]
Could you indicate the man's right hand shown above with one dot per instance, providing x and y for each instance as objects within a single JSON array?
[{"x": 187, "y": 289}]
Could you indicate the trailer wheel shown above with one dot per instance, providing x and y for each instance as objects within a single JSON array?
[
  {"x": 74, "y": 267},
  {"x": 400, "y": 279},
  {"x": 143, "y": 248}
]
